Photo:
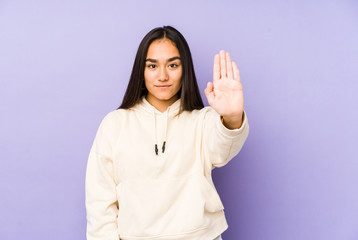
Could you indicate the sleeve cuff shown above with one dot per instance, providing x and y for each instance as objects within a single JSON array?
[{"x": 232, "y": 132}]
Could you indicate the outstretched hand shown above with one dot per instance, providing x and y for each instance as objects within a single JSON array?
[{"x": 225, "y": 93}]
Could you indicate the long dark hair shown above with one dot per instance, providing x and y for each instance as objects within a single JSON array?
[{"x": 189, "y": 94}]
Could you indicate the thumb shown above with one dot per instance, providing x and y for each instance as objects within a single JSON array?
[{"x": 209, "y": 92}]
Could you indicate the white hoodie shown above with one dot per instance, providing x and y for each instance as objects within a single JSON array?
[{"x": 133, "y": 193}]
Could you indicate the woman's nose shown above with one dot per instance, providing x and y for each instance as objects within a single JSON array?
[{"x": 163, "y": 74}]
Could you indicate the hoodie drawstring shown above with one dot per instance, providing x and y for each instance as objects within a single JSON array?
[
  {"x": 165, "y": 132},
  {"x": 155, "y": 134}
]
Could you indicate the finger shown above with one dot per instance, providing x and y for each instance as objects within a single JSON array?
[
  {"x": 236, "y": 72},
  {"x": 223, "y": 64},
  {"x": 209, "y": 92},
  {"x": 229, "y": 66},
  {"x": 216, "y": 70}
]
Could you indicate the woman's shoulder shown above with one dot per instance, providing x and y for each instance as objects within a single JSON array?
[
  {"x": 204, "y": 112},
  {"x": 113, "y": 118},
  {"x": 117, "y": 114},
  {"x": 201, "y": 111}
]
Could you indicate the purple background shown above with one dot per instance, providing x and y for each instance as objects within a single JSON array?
[{"x": 65, "y": 64}]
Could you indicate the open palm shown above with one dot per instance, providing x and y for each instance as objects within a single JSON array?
[{"x": 225, "y": 93}]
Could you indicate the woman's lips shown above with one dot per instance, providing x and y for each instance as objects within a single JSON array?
[{"x": 162, "y": 86}]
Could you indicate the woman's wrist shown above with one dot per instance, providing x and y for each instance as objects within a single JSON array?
[{"x": 232, "y": 122}]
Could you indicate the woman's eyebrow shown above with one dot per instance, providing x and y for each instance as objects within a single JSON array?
[
  {"x": 173, "y": 58},
  {"x": 155, "y": 60}
]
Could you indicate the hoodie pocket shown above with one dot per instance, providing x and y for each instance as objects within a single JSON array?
[
  {"x": 212, "y": 199},
  {"x": 160, "y": 207}
]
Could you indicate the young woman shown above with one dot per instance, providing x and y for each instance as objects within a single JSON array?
[{"x": 149, "y": 169}]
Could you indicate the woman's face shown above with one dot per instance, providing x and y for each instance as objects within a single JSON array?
[{"x": 162, "y": 73}]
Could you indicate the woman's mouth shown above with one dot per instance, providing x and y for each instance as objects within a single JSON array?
[{"x": 163, "y": 86}]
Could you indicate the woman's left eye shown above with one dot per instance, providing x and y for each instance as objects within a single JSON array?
[{"x": 173, "y": 65}]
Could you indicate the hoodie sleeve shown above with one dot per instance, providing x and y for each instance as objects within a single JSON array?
[
  {"x": 220, "y": 143},
  {"x": 101, "y": 197}
]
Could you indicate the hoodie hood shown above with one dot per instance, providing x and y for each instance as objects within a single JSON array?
[{"x": 145, "y": 107}]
